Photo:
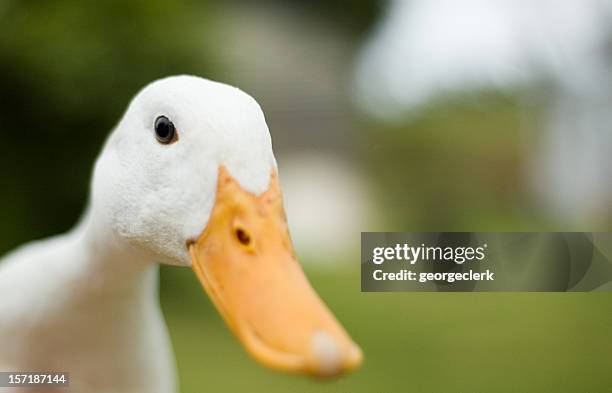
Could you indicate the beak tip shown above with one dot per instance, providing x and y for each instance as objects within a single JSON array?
[
  {"x": 332, "y": 357},
  {"x": 354, "y": 358}
]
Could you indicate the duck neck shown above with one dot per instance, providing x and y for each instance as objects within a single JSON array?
[{"x": 112, "y": 265}]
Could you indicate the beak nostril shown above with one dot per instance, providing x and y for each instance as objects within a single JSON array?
[{"x": 243, "y": 237}]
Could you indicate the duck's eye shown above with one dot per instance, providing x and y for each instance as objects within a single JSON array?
[{"x": 164, "y": 130}]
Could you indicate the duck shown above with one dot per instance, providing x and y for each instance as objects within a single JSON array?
[{"x": 187, "y": 178}]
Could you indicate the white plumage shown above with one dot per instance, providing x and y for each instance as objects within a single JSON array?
[{"x": 87, "y": 302}]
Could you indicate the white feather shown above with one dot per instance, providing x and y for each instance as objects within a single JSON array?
[{"x": 86, "y": 302}]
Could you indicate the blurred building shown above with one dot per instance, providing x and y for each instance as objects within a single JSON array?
[{"x": 558, "y": 55}]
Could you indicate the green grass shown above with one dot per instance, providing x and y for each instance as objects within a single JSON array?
[{"x": 413, "y": 342}]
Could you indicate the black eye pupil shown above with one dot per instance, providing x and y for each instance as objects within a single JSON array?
[{"x": 164, "y": 130}]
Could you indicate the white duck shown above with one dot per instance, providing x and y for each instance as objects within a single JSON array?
[{"x": 187, "y": 178}]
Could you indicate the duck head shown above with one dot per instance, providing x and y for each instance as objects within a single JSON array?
[{"x": 189, "y": 177}]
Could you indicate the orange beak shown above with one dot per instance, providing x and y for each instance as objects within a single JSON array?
[{"x": 246, "y": 263}]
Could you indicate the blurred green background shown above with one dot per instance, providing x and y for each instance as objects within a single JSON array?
[{"x": 69, "y": 68}]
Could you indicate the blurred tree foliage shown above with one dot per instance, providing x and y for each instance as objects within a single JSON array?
[
  {"x": 460, "y": 165},
  {"x": 355, "y": 15},
  {"x": 67, "y": 70}
]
